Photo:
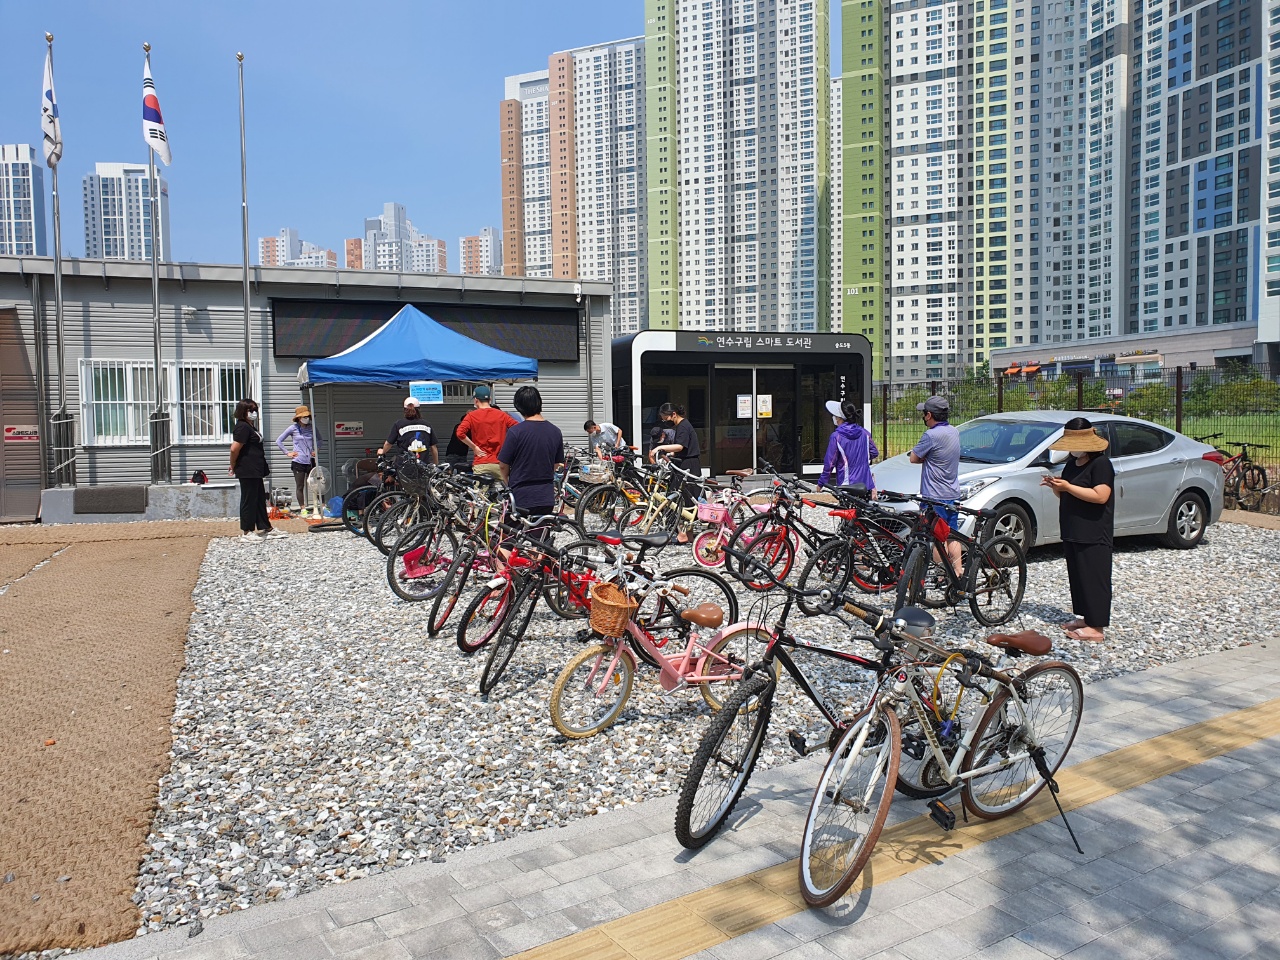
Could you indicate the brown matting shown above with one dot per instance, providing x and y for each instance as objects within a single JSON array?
[
  {"x": 18, "y": 559},
  {"x": 94, "y": 643}
]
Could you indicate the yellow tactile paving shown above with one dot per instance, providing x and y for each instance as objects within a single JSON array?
[{"x": 680, "y": 928}]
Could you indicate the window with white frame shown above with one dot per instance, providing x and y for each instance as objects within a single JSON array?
[{"x": 117, "y": 397}]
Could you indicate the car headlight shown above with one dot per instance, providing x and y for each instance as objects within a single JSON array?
[{"x": 973, "y": 486}]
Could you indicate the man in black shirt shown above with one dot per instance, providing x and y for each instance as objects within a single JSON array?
[
  {"x": 409, "y": 428},
  {"x": 530, "y": 454}
]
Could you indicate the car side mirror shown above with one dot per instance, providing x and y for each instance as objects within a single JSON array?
[{"x": 1058, "y": 456}]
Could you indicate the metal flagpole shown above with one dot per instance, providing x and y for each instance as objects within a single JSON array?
[
  {"x": 161, "y": 464},
  {"x": 244, "y": 232},
  {"x": 62, "y": 423}
]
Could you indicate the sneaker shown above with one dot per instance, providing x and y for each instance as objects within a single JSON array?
[
  {"x": 252, "y": 536},
  {"x": 275, "y": 533}
]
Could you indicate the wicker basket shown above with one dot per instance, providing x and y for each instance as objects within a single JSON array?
[
  {"x": 611, "y": 610},
  {"x": 596, "y": 472}
]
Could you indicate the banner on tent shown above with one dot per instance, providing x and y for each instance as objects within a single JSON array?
[{"x": 427, "y": 391}]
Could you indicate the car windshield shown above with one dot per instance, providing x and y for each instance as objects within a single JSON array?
[{"x": 1002, "y": 441}]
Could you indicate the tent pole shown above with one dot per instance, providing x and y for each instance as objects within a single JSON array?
[{"x": 315, "y": 437}]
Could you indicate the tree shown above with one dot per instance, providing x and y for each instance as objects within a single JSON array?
[{"x": 1151, "y": 401}]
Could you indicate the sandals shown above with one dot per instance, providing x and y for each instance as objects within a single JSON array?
[{"x": 1077, "y": 635}]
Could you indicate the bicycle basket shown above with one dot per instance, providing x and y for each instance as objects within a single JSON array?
[
  {"x": 413, "y": 476},
  {"x": 712, "y": 512},
  {"x": 596, "y": 472},
  {"x": 611, "y": 609}
]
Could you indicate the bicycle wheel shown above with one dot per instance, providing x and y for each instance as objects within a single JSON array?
[
  {"x": 484, "y": 616},
  {"x": 592, "y": 691},
  {"x": 849, "y": 807},
  {"x": 708, "y": 548},
  {"x": 878, "y": 561},
  {"x": 398, "y": 520},
  {"x": 766, "y": 541},
  {"x": 659, "y": 616},
  {"x": 598, "y": 508},
  {"x": 512, "y": 632},
  {"x": 378, "y": 507},
  {"x": 419, "y": 562},
  {"x": 581, "y": 565},
  {"x": 455, "y": 581},
  {"x": 911, "y": 585},
  {"x": 354, "y": 504},
  {"x": 1253, "y": 477},
  {"x": 724, "y": 760},
  {"x": 830, "y": 567},
  {"x": 1047, "y": 721},
  {"x": 997, "y": 580},
  {"x": 728, "y": 659}
]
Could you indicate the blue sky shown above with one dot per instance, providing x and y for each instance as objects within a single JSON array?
[{"x": 348, "y": 105}]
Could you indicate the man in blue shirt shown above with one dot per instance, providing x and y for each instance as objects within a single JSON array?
[{"x": 938, "y": 452}]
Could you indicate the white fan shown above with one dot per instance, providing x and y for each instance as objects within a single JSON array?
[{"x": 317, "y": 487}]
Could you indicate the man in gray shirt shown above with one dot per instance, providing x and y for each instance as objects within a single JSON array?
[{"x": 939, "y": 454}]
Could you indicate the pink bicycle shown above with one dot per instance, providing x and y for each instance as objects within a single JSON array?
[{"x": 726, "y": 510}]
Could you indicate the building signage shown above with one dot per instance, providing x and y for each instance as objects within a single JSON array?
[
  {"x": 348, "y": 428},
  {"x": 765, "y": 342},
  {"x": 21, "y": 433},
  {"x": 427, "y": 391},
  {"x": 764, "y": 405},
  {"x": 744, "y": 406}
]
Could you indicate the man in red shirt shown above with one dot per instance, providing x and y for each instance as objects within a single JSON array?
[{"x": 483, "y": 430}]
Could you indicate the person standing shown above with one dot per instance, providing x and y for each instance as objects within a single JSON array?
[
  {"x": 939, "y": 453},
  {"x": 249, "y": 466},
  {"x": 531, "y": 452},
  {"x": 602, "y": 435},
  {"x": 302, "y": 458},
  {"x": 484, "y": 429},
  {"x": 850, "y": 450},
  {"x": 1086, "y": 516},
  {"x": 409, "y": 429},
  {"x": 457, "y": 454},
  {"x": 684, "y": 450}
]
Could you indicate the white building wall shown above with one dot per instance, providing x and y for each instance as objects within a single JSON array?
[{"x": 117, "y": 213}]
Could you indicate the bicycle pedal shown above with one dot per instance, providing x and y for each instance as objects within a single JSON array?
[
  {"x": 942, "y": 815},
  {"x": 584, "y": 635},
  {"x": 798, "y": 743},
  {"x": 664, "y": 693}
]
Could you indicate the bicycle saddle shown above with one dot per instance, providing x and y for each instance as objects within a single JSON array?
[
  {"x": 1028, "y": 641},
  {"x": 647, "y": 539},
  {"x": 738, "y": 473},
  {"x": 853, "y": 489},
  {"x": 704, "y": 615}
]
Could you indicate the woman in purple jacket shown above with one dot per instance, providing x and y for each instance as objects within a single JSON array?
[{"x": 851, "y": 450}]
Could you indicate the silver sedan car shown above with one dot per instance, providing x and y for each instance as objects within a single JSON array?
[{"x": 1165, "y": 482}]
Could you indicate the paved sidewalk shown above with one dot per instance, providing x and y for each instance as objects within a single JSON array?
[{"x": 1182, "y": 866}]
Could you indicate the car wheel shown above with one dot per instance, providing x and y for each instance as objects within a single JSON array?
[
  {"x": 1187, "y": 522},
  {"x": 1013, "y": 521}
]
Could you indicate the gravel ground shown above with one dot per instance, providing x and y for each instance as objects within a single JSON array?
[{"x": 320, "y": 736}]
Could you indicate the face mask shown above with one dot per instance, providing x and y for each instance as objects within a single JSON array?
[
  {"x": 1077, "y": 454},
  {"x": 836, "y": 420},
  {"x": 253, "y": 416},
  {"x": 304, "y": 421}
]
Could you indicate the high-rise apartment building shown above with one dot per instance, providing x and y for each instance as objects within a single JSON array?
[
  {"x": 574, "y": 173},
  {"x": 428, "y": 255},
  {"x": 837, "y": 209},
  {"x": 22, "y": 226},
  {"x": 353, "y": 253},
  {"x": 737, "y": 101},
  {"x": 482, "y": 253},
  {"x": 276, "y": 251},
  {"x": 391, "y": 242},
  {"x": 1268, "y": 341},
  {"x": 117, "y": 213}
]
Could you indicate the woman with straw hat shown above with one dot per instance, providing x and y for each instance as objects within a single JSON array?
[
  {"x": 1086, "y": 515},
  {"x": 303, "y": 455}
]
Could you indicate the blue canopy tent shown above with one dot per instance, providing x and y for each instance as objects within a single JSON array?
[{"x": 411, "y": 346}]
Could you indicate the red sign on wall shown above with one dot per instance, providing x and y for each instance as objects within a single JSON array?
[{"x": 21, "y": 433}]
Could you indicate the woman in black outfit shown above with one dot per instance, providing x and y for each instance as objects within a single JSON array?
[
  {"x": 249, "y": 466},
  {"x": 1086, "y": 515},
  {"x": 684, "y": 450}
]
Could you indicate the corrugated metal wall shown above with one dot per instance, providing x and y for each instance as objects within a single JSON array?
[{"x": 110, "y": 318}]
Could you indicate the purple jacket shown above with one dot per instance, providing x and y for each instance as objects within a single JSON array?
[{"x": 849, "y": 456}]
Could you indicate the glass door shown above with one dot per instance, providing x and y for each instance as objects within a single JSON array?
[
  {"x": 733, "y": 436},
  {"x": 775, "y": 406}
]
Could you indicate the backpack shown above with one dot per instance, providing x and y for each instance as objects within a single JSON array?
[{"x": 199, "y": 477}]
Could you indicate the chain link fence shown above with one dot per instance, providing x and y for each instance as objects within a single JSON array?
[{"x": 1236, "y": 408}]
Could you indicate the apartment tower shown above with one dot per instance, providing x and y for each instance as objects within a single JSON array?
[
  {"x": 117, "y": 213},
  {"x": 482, "y": 253},
  {"x": 22, "y": 228}
]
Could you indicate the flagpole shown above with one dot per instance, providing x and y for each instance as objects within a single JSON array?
[
  {"x": 64, "y": 469},
  {"x": 160, "y": 453},
  {"x": 244, "y": 236}
]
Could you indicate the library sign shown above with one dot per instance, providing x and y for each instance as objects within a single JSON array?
[{"x": 740, "y": 343}]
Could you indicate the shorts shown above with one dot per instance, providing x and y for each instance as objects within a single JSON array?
[{"x": 949, "y": 514}]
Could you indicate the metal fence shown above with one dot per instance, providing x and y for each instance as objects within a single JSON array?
[{"x": 1226, "y": 406}]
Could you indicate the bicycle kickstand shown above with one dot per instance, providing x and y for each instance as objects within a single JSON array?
[{"x": 1037, "y": 755}]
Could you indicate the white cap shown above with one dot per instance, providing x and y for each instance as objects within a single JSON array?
[
  {"x": 833, "y": 408},
  {"x": 410, "y": 401}
]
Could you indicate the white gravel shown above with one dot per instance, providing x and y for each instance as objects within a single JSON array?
[{"x": 321, "y": 736}]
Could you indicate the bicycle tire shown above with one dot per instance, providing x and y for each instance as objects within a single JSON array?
[
  {"x": 455, "y": 581},
  {"x": 1253, "y": 478},
  {"x": 768, "y": 540},
  {"x": 660, "y": 617},
  {"x": 377, "y": 507},
  {"x": 878, "y": 562},
  {"x": 997, "y": 572},
  {"x": 601, "y": 700},
  {"x": 352, "y": 515},
  {"x": 512, "y": 632},
  {"x": 598, "y": 508},
  {"x": 708, "y": 549},
  {"x": 439, "y": 544},
  {"x": 484, "y": 617},
  {"x": 724, "y": 760},
  {"x": 830, "y": 567},
  {"x": 578, "y": 564},
  {"x": 396, "y": 523},
  {"x": 1054, "y": 700},
  {"x": 740, "y": 648},
  {"x": 911, "y": 588},
  {"x": 831, "y": 859}
]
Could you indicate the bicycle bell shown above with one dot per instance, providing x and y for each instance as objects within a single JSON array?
[{"x": 914, "y": 622}]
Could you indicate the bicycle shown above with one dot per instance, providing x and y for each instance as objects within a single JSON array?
[
  {"x": 992, "y": 575},
  {"x": 776, "y": 533},
  {"x": 600, "y": 505},
  {"x": 594, "y": 687},
  {"x": 868, "y": 549},
  {"x": 1243, "y": 478},
  {"x": 725, "y": 509}
]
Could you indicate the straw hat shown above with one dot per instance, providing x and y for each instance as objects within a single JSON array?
[
  {"x": 302, "y": 411},
  {"x": 1086, "y": 440}
]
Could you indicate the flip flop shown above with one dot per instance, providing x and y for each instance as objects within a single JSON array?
[
  {"x": 1077, "y": 635},
  {"x": 1073, "y": 625}
]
